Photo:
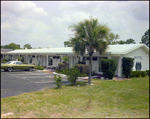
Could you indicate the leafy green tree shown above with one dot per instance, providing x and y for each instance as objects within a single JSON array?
[
  {"x": 65, "y": 58},
  {"x": 121, "y": 42},
  {"x": 93, "y": 35},
  {"x": 130, "y": 41},
  {"x": 145, "y": 38},
  {"x": 109, "y": 67},
  {"x": 58, "y": 81},
  {"x": 127, "y": 65},
  {"x": 73, "y": 75},
  {"x": 67, "y": 44},
  {"x": 111, "y": 38},
  {"x": 28, "y": 46},
  {"x": 11, "y": 46}
]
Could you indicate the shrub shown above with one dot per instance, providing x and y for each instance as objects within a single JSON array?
[
  {"x": 40, "y": 67},
  {"x": 62, "y": 66},
  {"x": 73, "y": 75},
  {"x": 127, "y": 65},
  {"x": 58, "y": 81},
  {"x": 133, "y": 73},
  {"x": 138, "y": 73},
  {"x": 143, "y": 73},
  {"x": 82, "y": 68},
  {"x": 58, "y": 71},
  {"x": 65, "y": 58},
  {"x": 147, "y": 72},
  {"x": 22, "y": 59},
  {"x": 83, "y": 75},
  {"x": 109, "y": 67},
  {"x": 19, "y": 59},
  {"x": 4, "y": 59},
  {"x": 65, "y": 71}
]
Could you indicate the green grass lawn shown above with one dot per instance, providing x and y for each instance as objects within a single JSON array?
[{"x": 106, "y": 98}]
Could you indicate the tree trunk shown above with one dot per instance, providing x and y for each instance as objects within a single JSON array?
[{"x": 90, "y": 68}]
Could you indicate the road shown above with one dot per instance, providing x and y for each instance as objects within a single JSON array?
[{"x": 18, "y": 82}]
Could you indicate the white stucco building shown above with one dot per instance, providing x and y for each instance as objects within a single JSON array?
[{"x": 52, "y": 56}]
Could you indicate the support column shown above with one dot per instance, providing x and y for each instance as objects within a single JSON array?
[
  {"x": 46, "y": 60},
  {"x": 120, "y": 66},
  {"x": 7, "y": 57},
  {"x": 35, "y": 59},
  {"x": 61, "y": 58},
  {"x": 25, "y": 58},
  {"x": 71, "y": 62}
]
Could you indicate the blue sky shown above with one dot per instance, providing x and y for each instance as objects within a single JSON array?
[{"x": 44, "y": 23}]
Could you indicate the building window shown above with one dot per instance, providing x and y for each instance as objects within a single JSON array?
[
  {"x": 94, "y": 58},
  {"x": 55, "y": 57}
]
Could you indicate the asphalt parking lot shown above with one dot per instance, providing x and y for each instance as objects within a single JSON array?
[{"x": 18, "y": 82}]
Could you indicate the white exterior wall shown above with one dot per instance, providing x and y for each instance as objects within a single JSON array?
[
  {"x": 56, "y": 62},
  {"x": 140, "y": 55},
  {"x": 95, "y": 65}
]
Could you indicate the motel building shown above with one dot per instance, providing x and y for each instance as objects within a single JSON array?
[{"x": 53, "y": 56}]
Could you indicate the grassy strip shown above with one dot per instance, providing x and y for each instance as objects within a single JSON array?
[{"x": 106, "y": 98}]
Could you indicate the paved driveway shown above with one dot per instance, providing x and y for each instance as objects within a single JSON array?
[{"x": 18, "y": 82}]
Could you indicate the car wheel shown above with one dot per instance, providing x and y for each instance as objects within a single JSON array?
[
  {"x": 30, "y": 69},
  {"x": 10, "y": 69}
]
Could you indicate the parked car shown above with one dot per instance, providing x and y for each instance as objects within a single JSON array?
[{"x": 12, "y": 65}]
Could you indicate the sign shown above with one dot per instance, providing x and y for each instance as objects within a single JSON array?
[{"x": 138, "y": 57}]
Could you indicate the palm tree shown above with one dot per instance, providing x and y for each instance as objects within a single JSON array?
[{"x": 93, "y": 35}]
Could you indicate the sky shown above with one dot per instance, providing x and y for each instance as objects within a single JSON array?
[{"x": 44, "y": 23}]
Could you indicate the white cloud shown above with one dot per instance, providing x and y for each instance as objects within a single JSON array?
[
  {"x": 22, "y": 9},
  {"x": 46, "y": 23}
]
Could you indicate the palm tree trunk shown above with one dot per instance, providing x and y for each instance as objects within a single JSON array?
[{"x": 90, "y": 68}]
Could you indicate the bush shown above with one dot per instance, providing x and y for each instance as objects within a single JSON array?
[
  {"x": 147, "y": 72},
  {"x": 40, "y": 67},
  {"x": 143, "y": 73},
  {"x": 133, "y": 73},
  {"x": 58, "y": 81},
  {"x": 59, "y": 71},
  {"x": 84, "y": 69},
  {"x": 19, "y": 59},
  {"x": 4, "y": 59},
  {"x": 138, "y": 73},
  {"x": 83, "y": 75},
  {"x": 127, "y": 65},
  {"x": 73, "y": 75},
  {"x": 109, "y": 67},
  {"x": 62, "y": 66},
  {"x": 22, "y": 59}
]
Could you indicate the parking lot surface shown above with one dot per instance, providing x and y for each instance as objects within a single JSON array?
[{"x": 18, "y": 82}]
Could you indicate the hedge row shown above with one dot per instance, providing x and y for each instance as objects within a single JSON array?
[
  {"x": 139, "y": 73},
  {"x": 40, "y": 67},
  {"x": 66, "y": 71},
  {"x": 4, "y": 61}
]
